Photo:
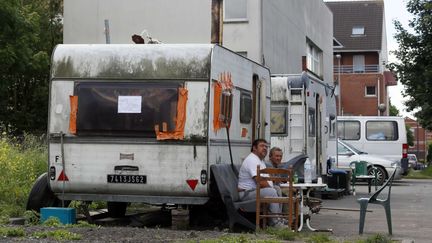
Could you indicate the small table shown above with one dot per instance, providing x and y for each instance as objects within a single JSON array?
[{"x": 308, "y": 187}]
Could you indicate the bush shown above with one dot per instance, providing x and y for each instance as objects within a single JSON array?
[{"x": 22, "y": 161}]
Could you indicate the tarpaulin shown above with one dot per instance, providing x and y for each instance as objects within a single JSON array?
[
  {"x": 73, "y": 113},
  {"x": 180, "y": 120}
]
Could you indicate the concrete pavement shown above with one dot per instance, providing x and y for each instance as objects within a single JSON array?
[{"x": 411, "y": 204}]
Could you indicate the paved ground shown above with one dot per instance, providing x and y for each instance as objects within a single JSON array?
[{"x": 411, "y": 203}]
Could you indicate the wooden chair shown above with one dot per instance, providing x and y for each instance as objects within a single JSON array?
[{"x": 277, "y": 175}]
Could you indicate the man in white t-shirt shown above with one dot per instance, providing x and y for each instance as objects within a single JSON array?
[{"x": 247, "y": 174}]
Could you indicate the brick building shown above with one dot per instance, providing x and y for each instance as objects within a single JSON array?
[
  {"x": 422, "y": 138},
  {"x": 360, "y": 55}
]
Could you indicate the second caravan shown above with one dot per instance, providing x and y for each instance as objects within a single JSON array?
[{"x": 303, "y": 112}]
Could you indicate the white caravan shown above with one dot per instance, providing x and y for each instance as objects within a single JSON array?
[
  {"x": 144, "y": 123},
  {"x": 303, "y": 112}
]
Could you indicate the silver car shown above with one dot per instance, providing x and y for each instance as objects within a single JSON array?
[{"x": 348, "y": 153}]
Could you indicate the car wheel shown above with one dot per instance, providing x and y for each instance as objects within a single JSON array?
[{"x": 381, "y": 175}]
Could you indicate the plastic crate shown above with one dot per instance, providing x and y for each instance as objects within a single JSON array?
[{"x": 65, "y": 215}]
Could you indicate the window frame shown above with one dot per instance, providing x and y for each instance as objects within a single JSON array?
[
  {"x": 123, "y": 124},
  {"x": 342, "y": 123},
  {"x": 242, "y": 95},
  {"x": 370, "y": 95},
  {"x": 395, "y": 129},
  {"x": 314, "y": 58}
]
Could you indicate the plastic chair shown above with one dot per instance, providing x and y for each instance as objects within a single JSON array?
[
  {"x": 374, "y": 200},
  {"x": 276, "y": 175},
  {"x": 360, "y": 171}
]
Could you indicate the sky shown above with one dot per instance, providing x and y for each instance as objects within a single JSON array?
[{"x": 396, "y": 9}]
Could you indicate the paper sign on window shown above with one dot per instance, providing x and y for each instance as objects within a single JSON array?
[{"x": 129, "y": 104}]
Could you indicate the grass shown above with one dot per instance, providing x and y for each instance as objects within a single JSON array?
[
  {"x": 11, "y": 232},
  {"x": 420, "y": 174},
  {"x": 21, "y": 162},
  {"x": 378, "y": 238},
  {"x": 58, "y": 235}
]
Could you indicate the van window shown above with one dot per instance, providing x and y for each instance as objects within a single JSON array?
[
  {"x": 349, "y": 130},
  {"x": 382, "y": 130},
  {"x": 245, "y": 108},
  {"x": 279, "y": 120},
  {"x": 126, "y": 108}
]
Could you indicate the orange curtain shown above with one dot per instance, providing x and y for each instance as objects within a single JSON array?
[
  {"x": 178, "y": 132},
  {"x": 73, "y": 113}
]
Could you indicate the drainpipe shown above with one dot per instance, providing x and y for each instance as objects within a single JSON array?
[
  {"x": 378, "y": 97},
  {"x": 217, "y": 22},
  {"x": 261, "y": 33}
]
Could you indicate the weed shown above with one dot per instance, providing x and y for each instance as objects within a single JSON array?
[
  {"x": 59, "y": 235},
  {"x": 11, "y": 232},
  {"x": 378, "y": 238},
  {"x": 82, "y": 224},
  {"x": 22, "y": 161},
  {"x": 319, "y": 238},
  {"x": 52, "y": 222},
  {"x": 282, "y": 234},
  {"x": 31, "y": 217},
  {"x": 236, "y": 239}
]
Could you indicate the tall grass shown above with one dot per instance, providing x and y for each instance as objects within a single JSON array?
[{"x": 21, "y": 162}]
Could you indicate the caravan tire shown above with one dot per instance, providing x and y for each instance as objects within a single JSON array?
[
  {"x": 117, "y": 209},
  {"x": 41, "y": 195}
]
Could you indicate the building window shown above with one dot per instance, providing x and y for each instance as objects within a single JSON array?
[
  {"x": 358, "y": 31},
  {"x": 370, "y": 91},
  {"x": 359, "y": 63},
  {"x": 314, "y": 57},
  {"x": 235, "y": 10}
]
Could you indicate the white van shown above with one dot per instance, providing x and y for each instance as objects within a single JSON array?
[{"x": 379, "y": 135}]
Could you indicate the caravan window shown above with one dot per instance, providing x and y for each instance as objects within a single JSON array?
[
  {"x": 126, "y": 108},
  {"x": 349, "y": 130},
  {"x": 312, "y": 122},
  {"x": 245, "y": 108},
  {"x": 382, "y": 130},
  {"x": 278, "y": 120}
]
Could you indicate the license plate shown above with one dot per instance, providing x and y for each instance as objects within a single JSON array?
[{"x": 132, "y": 179}]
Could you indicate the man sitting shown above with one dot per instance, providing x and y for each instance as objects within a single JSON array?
[{"x": 247, "y": 182}]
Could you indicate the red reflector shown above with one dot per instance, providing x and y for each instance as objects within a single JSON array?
[
  {"x": 192, "y": 184},
  {"x": 63, "y": 177},
  {"x": 404, "y": 150}
]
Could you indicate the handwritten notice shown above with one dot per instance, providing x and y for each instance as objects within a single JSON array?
[{"x": 129, "y": 104}]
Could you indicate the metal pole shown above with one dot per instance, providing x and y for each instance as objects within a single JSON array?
[{"x": 338, "y": 56}]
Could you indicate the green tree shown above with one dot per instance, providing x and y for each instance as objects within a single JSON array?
[
  {"x": 414, "y": 69},
  {"x": 28, "y": 32},
  {"x": 393, "y": 111},
  {"x": 410, "y": 135}
]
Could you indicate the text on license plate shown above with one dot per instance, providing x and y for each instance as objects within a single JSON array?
[{"x": 134, "y": 179}]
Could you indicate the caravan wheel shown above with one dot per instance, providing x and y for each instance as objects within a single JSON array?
[{"x": 41, "y": 195}]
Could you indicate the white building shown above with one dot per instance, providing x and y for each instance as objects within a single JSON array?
[{"x": 277, "y": 33}]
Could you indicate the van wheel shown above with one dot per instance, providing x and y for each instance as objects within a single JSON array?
[
  {"x": 41, "y": 195},
  {"x": 117, "y": 209},
  {"x": 380, "y": 174}
]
